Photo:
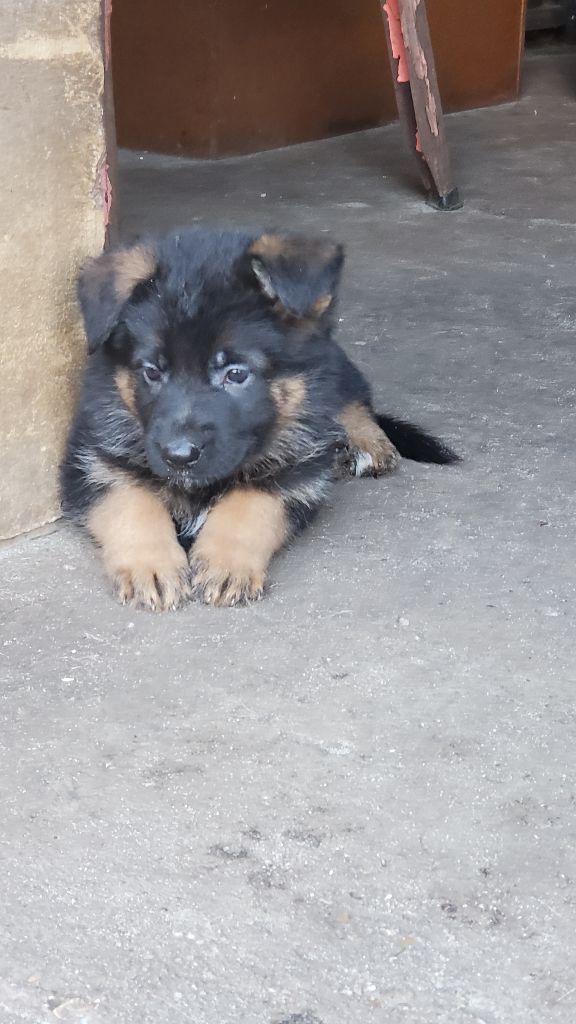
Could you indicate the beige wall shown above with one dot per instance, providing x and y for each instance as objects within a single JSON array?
[{"x": 51, "y": 216}]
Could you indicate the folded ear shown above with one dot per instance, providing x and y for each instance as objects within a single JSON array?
[
  {"x": 300, "y": 274},
  {"x": 107, "y": 283}
]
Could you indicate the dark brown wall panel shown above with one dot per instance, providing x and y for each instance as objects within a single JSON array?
[
  {"x": 478, "y": 46},
  {"x": 218, "y": 77}
]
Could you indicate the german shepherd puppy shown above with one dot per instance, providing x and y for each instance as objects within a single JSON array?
[{"x": 215, "y": 411}]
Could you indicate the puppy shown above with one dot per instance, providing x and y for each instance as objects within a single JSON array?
[{"x": 216, "y": 411}]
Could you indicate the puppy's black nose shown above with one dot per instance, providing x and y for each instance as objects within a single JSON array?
[{"x": 181, "y": 453}]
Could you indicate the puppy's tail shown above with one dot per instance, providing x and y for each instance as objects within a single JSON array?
[{"x": 415, "y": 443}]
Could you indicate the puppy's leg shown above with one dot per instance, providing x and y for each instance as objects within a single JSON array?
[
  {"x": 141, "y": 553},
  {"x": 369, "y": 452},
  {"x": 231, "y": 554}
]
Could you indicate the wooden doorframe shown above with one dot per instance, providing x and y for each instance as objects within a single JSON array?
[{"x": 109, "y": 160}]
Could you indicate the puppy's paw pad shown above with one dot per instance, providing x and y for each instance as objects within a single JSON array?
[
  {"x": 225, "y": 587},
  {"x": 160, "y": 586}
]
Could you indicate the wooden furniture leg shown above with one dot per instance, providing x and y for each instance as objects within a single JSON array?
[{"x": 418, "y": 99}]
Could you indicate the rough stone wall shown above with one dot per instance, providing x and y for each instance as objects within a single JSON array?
[{"x": 52, "y": 152}]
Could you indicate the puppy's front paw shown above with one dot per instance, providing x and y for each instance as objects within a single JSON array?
[
  {"x": 225, "y": 572},
  {"x": 217, "y": 583},
  {"x": 158, "y": 581},
  {"x": 231, "y": 554}
]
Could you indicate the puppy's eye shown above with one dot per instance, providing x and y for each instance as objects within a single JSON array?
[
  {"x": 237, "y": 375},
  {"x": 152, "y": 373}
]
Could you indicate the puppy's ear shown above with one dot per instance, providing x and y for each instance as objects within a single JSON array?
[
  {"x": 107, "y": 283},
  {"x": 298, "y": 273}
]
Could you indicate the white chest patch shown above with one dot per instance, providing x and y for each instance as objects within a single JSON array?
[{"x": 189, "y": 528}]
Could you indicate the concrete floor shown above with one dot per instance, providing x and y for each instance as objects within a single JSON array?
[{"x": 353, "y": 802}]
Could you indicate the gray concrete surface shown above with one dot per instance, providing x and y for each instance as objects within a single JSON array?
[{"x": 354, "y": 802}]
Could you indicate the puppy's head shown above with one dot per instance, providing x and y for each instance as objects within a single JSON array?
[{"x": 208, "y": 338}]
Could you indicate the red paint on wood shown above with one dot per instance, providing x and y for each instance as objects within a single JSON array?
[
  {"x": 106, "y": 191},
  {"x": 397, "y": 39},
  {"x": 409, "y": 26}
]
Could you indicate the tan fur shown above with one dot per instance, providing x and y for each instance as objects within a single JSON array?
[
  {"x": 364, "y": 436},
  {"x": 141, "y": 553},
  {"x": 270, "y": 246},
  {"x": 125, "y": 268},
  {"x": 102, "y": 474},
  {"x": 315, "y": 253},
  {"x": 234, "y": 547},
  {"x": 289, "y": 394},
  {"x": 132, "y": 267},
  {"x": 321, "y": 305},
  {"x": 126, "y": 385}
]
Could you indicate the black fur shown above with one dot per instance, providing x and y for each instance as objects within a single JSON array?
[{"x": 415, "y": 443}]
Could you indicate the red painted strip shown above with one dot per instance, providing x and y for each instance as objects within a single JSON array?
[
  {"x": 106, "y": 191},
  {"x": 397, "y": 39},
  {"x": 105, "y": 183}
]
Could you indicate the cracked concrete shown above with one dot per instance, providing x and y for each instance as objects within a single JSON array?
[{"x": 353, "y": 802}]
